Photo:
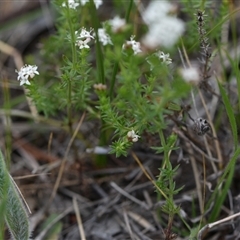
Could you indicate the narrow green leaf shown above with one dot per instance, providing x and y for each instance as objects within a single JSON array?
[
  {"x": 217, "y": 198},
  {"x": 230, "y": 114}
]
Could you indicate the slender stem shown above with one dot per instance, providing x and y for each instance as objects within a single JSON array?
[
  {"x": 74, "y": 60},
  {"x": 129, "y": 10},
  {"x": 99, "y": 54},
  {"x": 112, "y": 84},
  {"x": 116, "y": 65},
  {"x": 163, "y": 142}
]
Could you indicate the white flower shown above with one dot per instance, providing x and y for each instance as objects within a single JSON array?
[
  {"x": 104, "y": 38},
  {"x": 132, "y": 136},
  {"x": 156, "y": 10},
  {"x": 117, "y": 23},
  {"x": 85, "y": 34},
  {"x": 96, "y": 2},
  {"x": 190, "y": 74},
  {"x": 83, "y": 38},
  {"x": 164, "y": 30},
  {"x": 164, "y": 57},
  {"x": 25, "y": 72},
  {"x": 164, "y": 33},
  {"x": 134, "y": 45},
  {"x": 83, "y": 44},
  {"x": 71, "y": 3}
]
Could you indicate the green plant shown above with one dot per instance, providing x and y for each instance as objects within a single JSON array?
[
  {"x": 135, "y": 93},
  {"x": 13, "y": 211}
]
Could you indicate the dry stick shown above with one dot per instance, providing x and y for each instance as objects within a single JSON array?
[
  {"x": 24, "y": 114},
  {"x": 211, "y": 225},
  {"x": 141, "y": 221},
  {"x": 127, "y": 195},
  {"x": 196, "y": 177},
  {"x": 79, "y": 220},
  {"x": 60, "y": 173},
  {"x": 210, "y": 154},
  {"x": 180, "y": 133},
  {"x": 11, "y": 51},
  {"x": 126, "y": 219},
  {"x": 30, "y": 176},
  {"x": 204, "y": 184},
  {"x": 50, "y": 143},
  {"x": 123, "y": 225}
]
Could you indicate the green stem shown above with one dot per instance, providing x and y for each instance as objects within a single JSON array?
[
  {"x": 101, "y": 160},
  {"x": 99, "y": 54},
  {"x": 116, "y": 64},
  {"x": 74, "y": 60},
  {"x": 115, "y": 70},
  {"x": 129, "y": 11}
]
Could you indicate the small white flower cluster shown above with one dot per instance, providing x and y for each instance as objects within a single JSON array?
[
  {"x": 190, "y": 75},
  {"x": 83, "y": 38},
  {"x": 26, "y": 72},
  {"x": 164, "y": 30},
  {"x": 104, "y": 38},
  {"x": 71, "y": 4},
  {"x": 133, "y": 44},
  {"x": 132, "y": 136},
  {"x": 164, "y": 57},
  {"x": 117, "y": 24}
]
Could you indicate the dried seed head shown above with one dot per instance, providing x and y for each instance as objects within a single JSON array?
[
  {"x": 200, "y": 16},
  {"x": 201, "y": 126}
]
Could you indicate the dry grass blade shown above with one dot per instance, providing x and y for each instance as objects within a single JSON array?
[
  {"x": 128, "y": 224},
  {"x": 141, "y": 221},
  {"x": 79, "y": 220},
  {"x": 127, "y": 195},
  {"x": 196, "y": 177},
  {"x": 147, "y": 174}
]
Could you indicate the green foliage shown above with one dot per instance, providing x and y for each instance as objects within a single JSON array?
[
  {"x": 219, "y": 193},
  {"x": 230, "y": 113},
  {"x": 126, "y": 92},
  {"x": 165, "y": 179},
  {"x": 167, "y": 174}
]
